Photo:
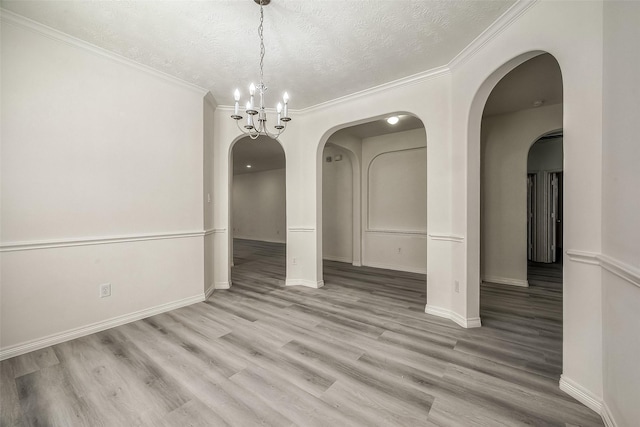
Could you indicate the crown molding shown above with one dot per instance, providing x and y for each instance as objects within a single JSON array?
[
  {"x": 394, "y": 84},
  {"x": 18, "y": 20},
  {"x": 503, "y": 22},
  {"x": 499, "y": 25}
]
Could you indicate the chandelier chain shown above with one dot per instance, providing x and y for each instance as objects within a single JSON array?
[{"x": 260, "y": 33}]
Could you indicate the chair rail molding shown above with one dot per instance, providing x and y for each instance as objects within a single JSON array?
[
  {"x": 446, "y": 237},
  {"x": 400, "y": 232},
  {"x": 96, "y": 240},
  {"x": 301, "y": 229},
  {"x": 627, "y": 272}
]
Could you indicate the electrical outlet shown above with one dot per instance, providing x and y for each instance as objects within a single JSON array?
[
  {"x": 457, "y": 286},
  {"x": 105, "y": 290},
  {"x": 294, "y": 261}
]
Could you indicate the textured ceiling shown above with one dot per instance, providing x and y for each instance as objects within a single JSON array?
[
  {"x": 539, "y": 78},
  {"x": 317, "y": 50}
]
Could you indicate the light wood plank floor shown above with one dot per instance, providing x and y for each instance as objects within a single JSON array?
[{"x": 360, "y": 351}]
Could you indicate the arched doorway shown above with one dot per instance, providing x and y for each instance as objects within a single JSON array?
[
  {"x": 524, "y": 105},
  {"x": 373, "y": 194},
  {"x": 258, "y": 209}
]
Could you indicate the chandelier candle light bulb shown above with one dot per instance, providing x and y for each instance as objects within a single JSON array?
[
  {"x": 285, "y": 98},
  {"x": 255, "y": 129},
  {"x": 279, "y": 109},
  {"x": 249, "y": 121},
  {"x": 236, "y": 96}
]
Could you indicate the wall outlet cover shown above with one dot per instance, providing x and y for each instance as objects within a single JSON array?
[{"x": 105, "y": 290}]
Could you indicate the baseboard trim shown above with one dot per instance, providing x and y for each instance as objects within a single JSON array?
[
  {"x": 395, "y": 267},
  {"x": 209, "y": 291},
  {"x": 255, "y": 239},
  {"x": 472, "y": 322},
  {"x": 337, "y": 258},
  {"x": 40, "y": 343},
  {"x": 222, "y": 285},
  {"x": 506, "y": 281},
  {"x": 305, "y": 283},
  {"x": 607, "y": 416},
  {"x": 581, "y": 394}
]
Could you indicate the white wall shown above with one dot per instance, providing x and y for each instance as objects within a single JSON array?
[
  {"x": 394, "y": 201},
  {"x": 506, "y": 140},
  {"x": 621, "y": 212},
  {"x": 209, "y": 106},
  {"x": 102, "y": 175},
  {"x": 259, "y": 206},
  {"x": 337, "y": 205}
]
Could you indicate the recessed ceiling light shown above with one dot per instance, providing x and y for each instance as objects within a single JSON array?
[
  {"x": 538, "y": 102},
  {"x": 249, "y": 166},
  {"x": 393, "y": 120}
]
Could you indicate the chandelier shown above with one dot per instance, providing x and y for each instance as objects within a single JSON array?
[{"x": 256, "y": 124}]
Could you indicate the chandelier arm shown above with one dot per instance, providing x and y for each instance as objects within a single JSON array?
[
  {"x": 276, "y": 135},
  {"x": 247, "y": 132}
]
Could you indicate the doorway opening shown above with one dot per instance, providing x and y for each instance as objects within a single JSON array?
[
  {"x": 374, "y": 206},
  {"x": 521, "y": 196},
  {"x": 545, "y": 214},
  {"x": 258, "y": 211}
]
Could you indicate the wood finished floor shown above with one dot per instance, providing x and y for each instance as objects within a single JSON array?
[{"x": 360, "y": 351}]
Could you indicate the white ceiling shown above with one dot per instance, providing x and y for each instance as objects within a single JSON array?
[
  {"x": 262, "y": 154},
  {"x": 380, "y": 127},
  {"x": 318, "y": 50},
  {"x": 539, "y": 78}
]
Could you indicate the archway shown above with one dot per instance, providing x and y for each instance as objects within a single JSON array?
[
  {"x": 364, "y": 159},
  {"x": 257, "y": 217},
  {"x": 525, "y": 106}
]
